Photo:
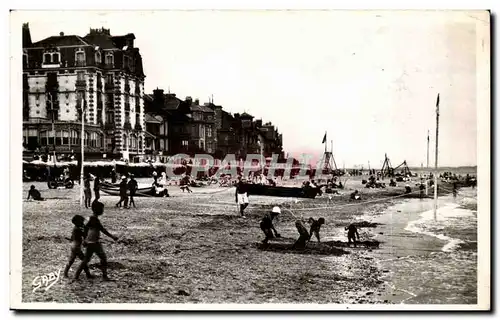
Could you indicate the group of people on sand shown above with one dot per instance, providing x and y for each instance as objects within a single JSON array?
[
  {"x": 267, "y": 226},
  {"x": 305, "y": 235}
]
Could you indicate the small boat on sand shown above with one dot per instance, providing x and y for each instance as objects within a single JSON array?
[{"x": 291, "y": 192}]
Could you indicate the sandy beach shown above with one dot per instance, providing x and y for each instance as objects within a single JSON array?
[{"x": 194, "y": 248}]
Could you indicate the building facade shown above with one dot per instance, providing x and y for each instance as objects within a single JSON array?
[{"x": 98, "y": 75}]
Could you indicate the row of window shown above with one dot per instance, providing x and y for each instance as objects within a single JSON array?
[
  {"x": 72, "y": 137},
  {"x": 109, "y": 59}
]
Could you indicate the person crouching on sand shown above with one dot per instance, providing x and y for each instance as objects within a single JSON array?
[
  {"x": 76, "y": 246},
  {"x": 304, "y": 236},
  {"x": 267, "y": 226},
  {"x": 352, "y": 233},
  {"x": 92, "y": 241},
  {"x": 315, "y": 227}
]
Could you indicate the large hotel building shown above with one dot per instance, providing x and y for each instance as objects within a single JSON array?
[{"x": 100, "y": 74}]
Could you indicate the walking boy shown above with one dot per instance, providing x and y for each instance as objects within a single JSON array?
[
  {"x": 92, "y": 240},
  {"x": 76, "y": 247}
]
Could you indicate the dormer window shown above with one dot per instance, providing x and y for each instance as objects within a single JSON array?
[
  {"x": 51, "y": 58},
  {"x": 98, "y": 57},
  {"x": 47, "y": 58},
  {"x": 110, "y": 61},
  {"x": 80, "y": 57}
]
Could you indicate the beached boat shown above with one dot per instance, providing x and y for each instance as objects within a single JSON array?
[
  {"x": 293, "y": 192},
  {"x": 114, "y": 190}
]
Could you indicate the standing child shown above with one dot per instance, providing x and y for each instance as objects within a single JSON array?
[
  {"x": 123, "y": 193},
  {"x": 315, "y": 227},
  {"x": 76, "y": 247},
  {"x": 352, "y": 232},
  {"x": 241, "y": 195},
  {"x": 97, "y": 187},
  {"x": 132, "y": 187},
  {"x": 92, "y": 240},
  {"x": 86, "y": 191}
]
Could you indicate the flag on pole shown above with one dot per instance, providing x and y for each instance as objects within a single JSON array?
[{"x": 324, "y": 138}]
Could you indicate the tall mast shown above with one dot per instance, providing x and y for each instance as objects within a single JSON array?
[{"x": 436, "y": 161}]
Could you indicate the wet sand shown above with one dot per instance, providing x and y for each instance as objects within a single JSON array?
[{"x": 197, "y": 244}]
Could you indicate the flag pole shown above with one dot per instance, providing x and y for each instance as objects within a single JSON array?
[
  {"x": 436, "y": 161},
  {"x": 82, "y": 150}
]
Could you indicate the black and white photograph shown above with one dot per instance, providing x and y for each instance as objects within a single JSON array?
[{"x": 250, "y": 159}]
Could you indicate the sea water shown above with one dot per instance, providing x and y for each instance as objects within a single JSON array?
[{"x": 432, "y": 259}]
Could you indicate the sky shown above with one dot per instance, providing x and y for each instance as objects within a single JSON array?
[{"x": 369, "y": 79}]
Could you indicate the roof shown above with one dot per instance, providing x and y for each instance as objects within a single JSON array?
[
  {"x": 61, "y": 41},
  {"x": 246, "y": 115},
  {"x": 152, "y": 119},
  {"x": 101, "y": 40}
]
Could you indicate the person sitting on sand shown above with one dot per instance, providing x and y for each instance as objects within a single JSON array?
[
  {"x": 304, "y": 236},
  {"x": 77, "y": 237},
  {"x": 407, "y": 188},
  {"x": 92, "y": 241},
  {"x": 267, "y": 226},
  {"x": 35, "y": 194},
  {"x": 352, "y": 233},
  {"x": 355, "y": 195},
  {"x": 315, "y": 227}
]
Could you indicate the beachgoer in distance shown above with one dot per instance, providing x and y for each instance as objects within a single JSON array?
[
  {"x": 355, "y": 195},
  {"x": 86, "y": 191},
  {"x": 315, "y": 227},
  {"x": 97, "y": 187},
  {"x": 241, "y": 195},
  {"x": 35, "y": 194},
  {"x": 267, "y": 226},
  {"x": 123, "y": 193},
  {"x": 92, "y": 241},
  {"x": 132, "y": 187},
  {"x": 407, "y": 188},
  {"x": 113, "y": 175},
  {"x": 77, "y": 237},
  {"x": 352, "y": 233}
]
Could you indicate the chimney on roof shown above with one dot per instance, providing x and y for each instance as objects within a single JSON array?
[
  {"x": 61, "y": 34},
  {"x": 26, "y": 36},
  {"x": 197, "y": 102}
]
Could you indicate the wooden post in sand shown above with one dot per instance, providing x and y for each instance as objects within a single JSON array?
[{"x": 436, "y": 162}]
